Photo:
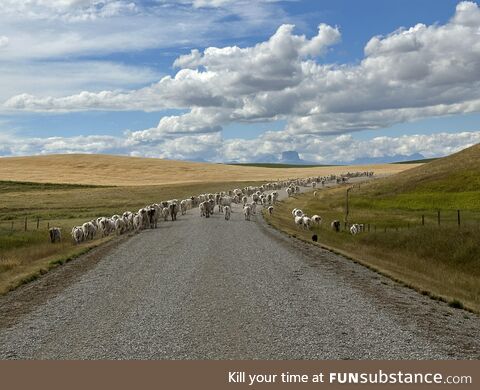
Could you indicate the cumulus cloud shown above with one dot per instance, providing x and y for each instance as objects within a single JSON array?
[
  {"x": 70, "y": 10},
  {"x": 345, "y": 148},
  {"x": 411, "y": 73},
  {"x": 55, "y": 77},
  {"x": 13, "y": 146},
  {"x": 417, "y": 72},
  {"x": 85, "y": 27},
  {"x": 35, "y": 33},
  {"x": 212, "y": 147}
]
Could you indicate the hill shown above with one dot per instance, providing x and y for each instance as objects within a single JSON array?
[
  {"x": 451, "y": 182},
  {"x": 455, "y": 173},
  {"x": 127, "y": 171},
  {"x": 413, "y": 231},
  {"x": 280, "y": 165}
]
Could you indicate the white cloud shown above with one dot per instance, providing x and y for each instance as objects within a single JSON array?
[
  {"x": 35, "y": 33},
  {"x": 93, "y": 27},
  {"x": 55, "y": 77},
  {"x": 210, "y": 3},
  {"x": 70, "y": 10},
  {"x": 345, "y": 148},
  {"x": 212, "y": 147},
  {"x": 4, "y": 41},
  {"x": 412, "y": 73}
]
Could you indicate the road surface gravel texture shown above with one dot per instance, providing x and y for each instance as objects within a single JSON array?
[{"x": 213, "y": 289}]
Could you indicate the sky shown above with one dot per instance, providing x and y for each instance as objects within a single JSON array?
[{"x": 225, "y": 80}]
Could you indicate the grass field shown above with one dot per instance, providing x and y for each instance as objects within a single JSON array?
[
  {"x": 67, "y": 190},
  {"x": 443, "y": 261},
  {"x": 281, "y": 165},
  {"x": 134, "y": 171},
  {"x": 26, "y": 254}
]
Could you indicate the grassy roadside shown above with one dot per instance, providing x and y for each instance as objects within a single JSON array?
[
  {"x": 15, "y": 272},
  {"x": 441, "y": 261},
  {"x": 24, "y": 255}
]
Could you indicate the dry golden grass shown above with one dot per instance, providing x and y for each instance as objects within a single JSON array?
[
  {"x": 124, "y": 183},
  {"x": 25, "y": 255},
  {"x": 133, "y": 171},
  {"x": 27, "y": 263}
]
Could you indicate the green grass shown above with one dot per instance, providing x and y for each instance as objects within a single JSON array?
[
  {"x": 468, "y": 200},
  {"x": 422, "y": 161},
  {"x": 20, "y": 186},
  {"x": 65, "y": 202},
  {"x": 441, "y": 261}
]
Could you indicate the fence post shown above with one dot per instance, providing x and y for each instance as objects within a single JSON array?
[
  {"x": 48, "y": 225},
  {"x": 369, "y": 227},
  {"x": 438, "y": 217},
  {"x": 423, "y": 220},
  {"x": 12, "y": 226},
  {"x": 385, "y": 229},
  {"x": 38, "y": 222},
  {"x": 458, "y": 217},
  {"x": 25, "y": 223}
]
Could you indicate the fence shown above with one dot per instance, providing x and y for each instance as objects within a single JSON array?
[
  {"x": 449, "y": 218},
  {"x": 24, "y": 225}
]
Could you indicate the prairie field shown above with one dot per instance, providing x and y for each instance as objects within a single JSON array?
[
  {"x": 107, "y": 170},
  {"x": 26, "y": 253},
  {"x": 67, "y": 190},
  {"x": 439, "y": 256}
]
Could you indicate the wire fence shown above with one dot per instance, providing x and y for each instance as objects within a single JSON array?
[
  {"x": 441, "y": 218},
  {"x": 25, "y": 224}
]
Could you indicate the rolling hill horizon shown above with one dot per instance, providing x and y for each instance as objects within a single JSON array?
[
  {"x": 106, "y": 169},
  {"x": 454, "y": 173}
]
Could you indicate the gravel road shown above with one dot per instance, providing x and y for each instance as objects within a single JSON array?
[{"x": 214, "y": 289}]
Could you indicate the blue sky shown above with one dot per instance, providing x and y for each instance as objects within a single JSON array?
[{"x": 143, "y": 78}]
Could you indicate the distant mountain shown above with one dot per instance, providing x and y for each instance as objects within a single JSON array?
[
  {"x": 387, "y": 159},
  {"x": 291, "y": 157}
]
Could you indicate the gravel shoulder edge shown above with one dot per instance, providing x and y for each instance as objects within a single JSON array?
[{"x": 27, "y": 297}]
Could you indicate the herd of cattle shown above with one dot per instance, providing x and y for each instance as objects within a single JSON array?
[{"x": 264, "y": 196}]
